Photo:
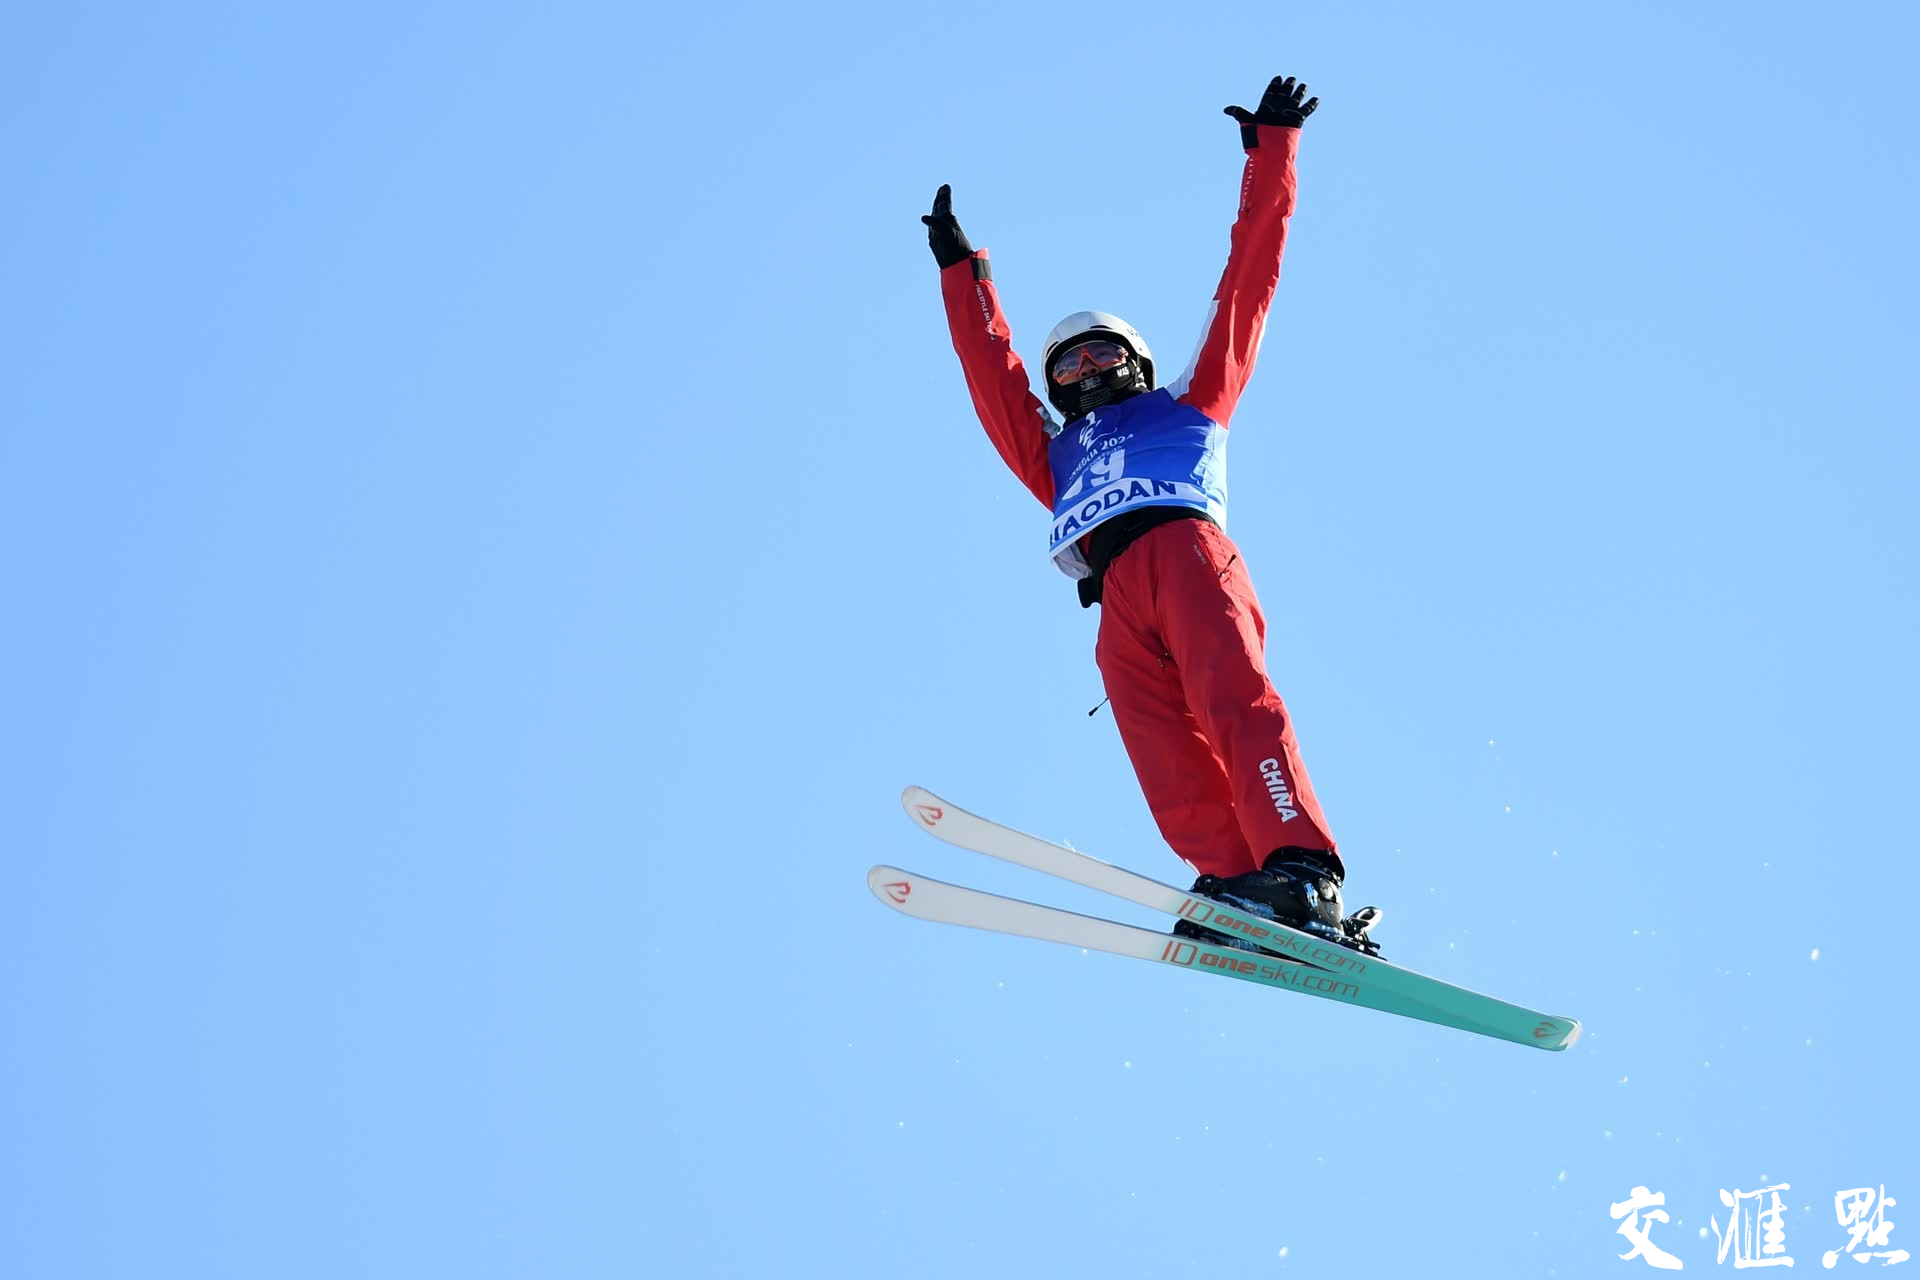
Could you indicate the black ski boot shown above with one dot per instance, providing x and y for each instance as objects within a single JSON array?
[{"x": 1298, "y": 887}]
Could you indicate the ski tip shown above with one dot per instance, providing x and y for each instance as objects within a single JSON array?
[
  {"x": 891, "y": 885},
  {"x": 925, "y": 808}
]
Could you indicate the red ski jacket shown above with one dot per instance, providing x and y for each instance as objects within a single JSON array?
[{"x": 1017, "y": 421}]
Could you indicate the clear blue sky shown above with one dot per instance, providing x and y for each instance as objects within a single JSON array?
[{"x": 491, "y": 519}]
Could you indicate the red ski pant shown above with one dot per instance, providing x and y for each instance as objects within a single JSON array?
[{"x": 1182, "y": 652}]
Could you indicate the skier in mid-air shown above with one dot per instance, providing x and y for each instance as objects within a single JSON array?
[{"x": 1135, "y": 477}]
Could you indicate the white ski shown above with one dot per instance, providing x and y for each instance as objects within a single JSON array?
[{"x": 1303, "y": 963}]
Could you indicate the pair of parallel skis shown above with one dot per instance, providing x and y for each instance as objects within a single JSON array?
[{"x": 1290, "y": 958}]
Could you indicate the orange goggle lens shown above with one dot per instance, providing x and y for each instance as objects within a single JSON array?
[{"x": 1076, "y": 362}]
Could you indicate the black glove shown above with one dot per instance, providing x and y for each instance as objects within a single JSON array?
[
  {"x": 1281, "y": 105},
  {"x": 944, "y": 236}
]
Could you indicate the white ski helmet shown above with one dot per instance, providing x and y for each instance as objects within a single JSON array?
[{"x": 1088, "y": 393}]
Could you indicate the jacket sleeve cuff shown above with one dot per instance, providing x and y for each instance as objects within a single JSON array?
[
  {"x": 1277, "y": 137},
  {"x": 975, "y": 267}
]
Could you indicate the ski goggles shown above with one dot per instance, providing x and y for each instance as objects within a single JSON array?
[{"x": 1077, "y": 361}]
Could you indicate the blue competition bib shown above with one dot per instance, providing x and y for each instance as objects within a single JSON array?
[{"x": 1149, "y": 451}]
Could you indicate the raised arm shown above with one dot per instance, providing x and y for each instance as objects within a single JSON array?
[
  {"x": 1015, "y": 419},
  {"x": 1236, "y": 321}
]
